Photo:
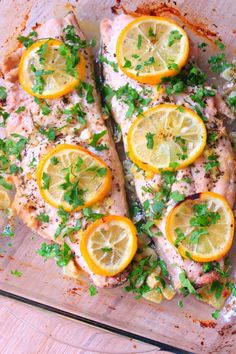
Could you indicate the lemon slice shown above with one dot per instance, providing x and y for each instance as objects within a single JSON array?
[
  {"x": 150, "y": 48},
  {"x": 46, "y": 75},
  {"x": 109, "y": 245},
  {"x": 166, "y": 137},
  {"x": 201, "y": 227},
  {"x": 72, "y": 177}
]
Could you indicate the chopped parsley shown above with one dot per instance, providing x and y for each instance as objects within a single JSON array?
[
  {"x": 232, "y": 101},
  {"x": 231, "y": 286},
  {"x": 42, "y": 217},
  {"x": 88, "y": 88},
  {"x": 139, "y": 43},
  {"x": 127, "y": 63},
  {"x": 212, "y": 161},
  {"x": 219, "y": 44},
  {"x": 163, "y": 267},
  {"x": 174, "y": 36},
  {"x": 61, "y": 253},
  {"x": 16, "y": 273},
  {"x": 180, "y": 236},
  {"x": 102, "y": 59},
  {"x": 4, "y": 116},
  {"x": 202, "y": 219},
  {"x": 3, "y": 93},
  {"x": 5, "y": 184},
  {"x": 64, "y": 217},
  {"x": 46, "y": 110},
  {"x": 46, "y": 181},
  {"x": 151, "y": 32},
  {"x": 20, "y": 109},
  {"x": 212, "y": 137},
  {"x": 129, "y": 96},
  {"x": 76, "y": 112},
  {"x": 200, "y": 94},
  {"x": 216, "y": 288},
  {"x": 218, "y": 63},
  {"x": 92, "y": 290},
  {"x": 73, "y": 195},
  {"x": 90, "y": 215},
  {"x": 190, "y": 76},
  {"x": 187, "y": 287},
  {"x": 27, "y": 41},
  {"x": 177, "y": 196},
  {"x": 215, "y": 314},
  {"x": 106, "y": 249},
  {"x": 180, "y": 304},
  {"x": 42, "y": 52},
  {"x": 173, "y": 66},
  {"x": 95, "y": 140},
  {"x": 7, "y": 231},
  {"x": 150, "y": 61},
  {"x": 138, "y": 276},
  {"x": 150, "y": 140},
  {"x": 54, "y": 160},
  {"x": 202, "y": 45},
  {"x": 50, "y": 133}
]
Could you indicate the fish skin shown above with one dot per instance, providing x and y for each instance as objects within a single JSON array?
[
  {"x": 224, "y": 183},
  {"x": 28, "y": 202}
]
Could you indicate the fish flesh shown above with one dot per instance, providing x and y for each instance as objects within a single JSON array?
[
  {"x": 222, "y": 182},
  {"x": 28, "y": 203}
]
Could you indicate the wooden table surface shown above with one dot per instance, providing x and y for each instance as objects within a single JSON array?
[{"x": 25, "y": 329}]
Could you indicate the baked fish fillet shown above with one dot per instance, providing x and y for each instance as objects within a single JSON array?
[
  {"x": 190, "y": 180},
  {"x": 28, "y": 202}
]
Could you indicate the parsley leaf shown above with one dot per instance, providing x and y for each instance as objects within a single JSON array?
[
  {"x": 50, "y": 133},
  {"x": 173, "y": 66},
  {"x": 215, "y": 314},
  {"x": 42, "y": 217},
  {"x": 61, "y": 253},
  {"x": 7, "y": 232},
  {"x": 95, "y": 140},
  {"x": 196, "y": 234},
  {"x": 102, "y": 59},
  {"x": 150, "y": 61},
  {"x": 27, "y": 41},
  {"x": 54, "y": 160},
  {"x": 20, "y": 109},
  {"x": 177, "y": 196},
  {"x": 3, "y": 93},
  {"x": 5, "y": 184},
  {"x": 16, "y": 273},
  {"x": 106, "y": 249},
  {"x": 186, "y": 283},
  {"x": 127, "y": 63},
  {"x": 46, "y": 180},
  {"x": 180, "y": 236},
  {"x": 218, "y": 63},
  {"x": 212, "y": 161},
  {"x": 90, "y": 215},
  {"x": 219, "y": 44},
  {"x": 139, "y": 43},
  {"x": 174, "y": 36},
  {"x": 77, "y": 113},
  {"x": 150, "y": 140},
  {"x": 151, "y": 32},
  {"x": 92, "y": 290}
]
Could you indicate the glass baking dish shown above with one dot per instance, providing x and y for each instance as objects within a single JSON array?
[{"x": 42, "y": 284}]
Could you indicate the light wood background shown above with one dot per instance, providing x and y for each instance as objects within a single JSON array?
[{"x": 27, "y": 330}]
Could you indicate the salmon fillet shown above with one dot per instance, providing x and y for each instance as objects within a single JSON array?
[
  {"x": 190, "y": 180},
  {"x": 28, "y": 203}
]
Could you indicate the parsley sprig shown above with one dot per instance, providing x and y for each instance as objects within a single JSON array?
[{"x": 61, "y": 253}]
